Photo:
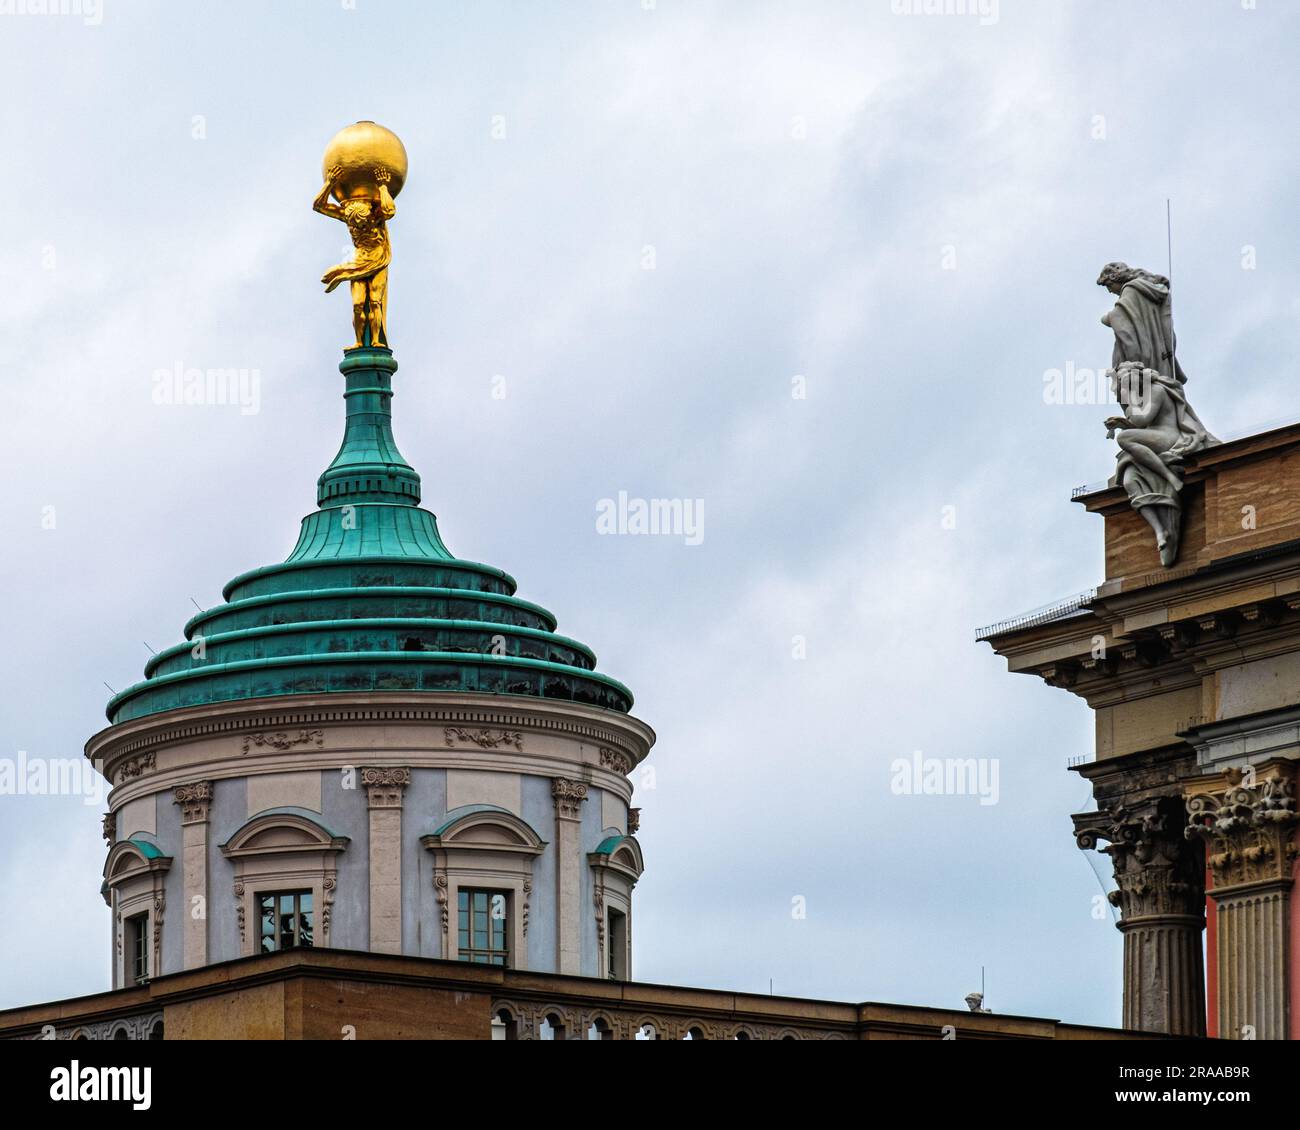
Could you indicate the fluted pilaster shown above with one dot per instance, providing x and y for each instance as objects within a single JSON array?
[{"x": 1248, "y": 822}]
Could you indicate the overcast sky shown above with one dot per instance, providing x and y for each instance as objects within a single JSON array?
[{"x": 906, "y": 211}]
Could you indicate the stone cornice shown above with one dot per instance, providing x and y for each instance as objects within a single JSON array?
[
  {"x": 121, "y": 745},
  {"x": 1260, "y": 736},
  {"x": 1123, "y": 678},
  {"x": 222, "y": 766},
  {"x": 1187, "y": 624},
  {"x": 1180, "y": 653},
  {"x": 1132, "y": 777}
]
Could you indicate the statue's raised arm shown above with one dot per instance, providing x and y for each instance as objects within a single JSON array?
[
  {"x": 322, "y": 203},
  {"x": 387, "y": 208}
]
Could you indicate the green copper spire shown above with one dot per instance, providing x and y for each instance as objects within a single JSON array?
[
  {"x": 370, "y": 599},
  {"x": 369, "y": 496},
  {"x": 368, "y": 467}
]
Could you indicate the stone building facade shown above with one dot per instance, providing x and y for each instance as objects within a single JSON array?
[{"x": 1193, "y": 674}]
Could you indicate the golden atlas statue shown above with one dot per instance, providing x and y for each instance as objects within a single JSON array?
[{"x": 364, "y": 168}]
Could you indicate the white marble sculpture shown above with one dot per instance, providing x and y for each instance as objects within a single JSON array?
[
  {"x": 1141, "y": 319},
  {"x": 1159, "y": 428}
]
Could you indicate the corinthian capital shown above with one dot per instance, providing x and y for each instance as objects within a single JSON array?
[
  {"x": 1156, "y": 874},
  {"x": 1248, "y": 824},
  {"x": 569, "y": 796}
]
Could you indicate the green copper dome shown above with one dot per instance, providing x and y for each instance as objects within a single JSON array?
[{"x": 370, "y": 599}]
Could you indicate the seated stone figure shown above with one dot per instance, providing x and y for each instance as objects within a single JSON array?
[{"x": 1157, "y": 430}]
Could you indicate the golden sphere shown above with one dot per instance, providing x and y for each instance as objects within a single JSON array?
[{"x": 357, "y": 150}]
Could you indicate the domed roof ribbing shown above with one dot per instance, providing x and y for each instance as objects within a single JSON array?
[{"x": 370, "y": 599}]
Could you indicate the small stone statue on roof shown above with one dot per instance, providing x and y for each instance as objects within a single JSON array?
[{"x": 1158, "y": 428}]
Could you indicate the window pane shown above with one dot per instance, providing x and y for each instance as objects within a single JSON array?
[
  {"x": 481, "y": 926},
  {"x": 285, "y": 919},
  {"x": 137, "y": 936}
]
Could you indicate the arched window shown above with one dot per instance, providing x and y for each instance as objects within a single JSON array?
[
  {"x": 616, "y": 865},
  {"x": 483, "y": 878},
  {"x": 285, "y": 863},
  {"x": 134, "y": 874}
]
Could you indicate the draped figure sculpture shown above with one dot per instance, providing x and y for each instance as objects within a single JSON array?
[
  {"x": 1159, "y": 428},
  {"x": 1141, "y": 319}
]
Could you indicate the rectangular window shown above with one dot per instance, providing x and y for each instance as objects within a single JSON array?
[
  {"x": 137, "y": 948},
  {"x": 286, "y": 919},
  {"x": 616, "y": 943},
  {"x": 482, "y": 918}
]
